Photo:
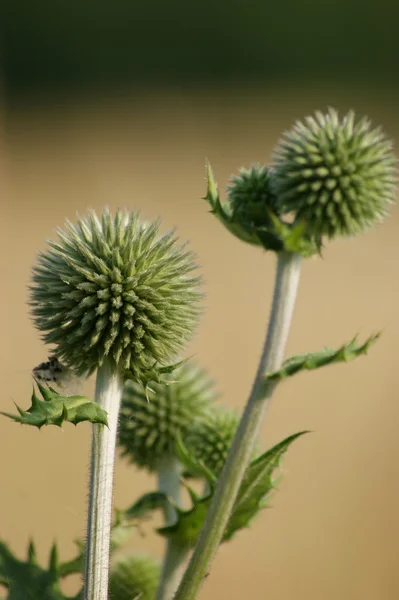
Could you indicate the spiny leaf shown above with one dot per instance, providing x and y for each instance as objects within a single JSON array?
[
  {"x": 147, "y": 504},
  {"x": 315, "y": 360},
  {"x": 76, "y": 564},
  {"x": 293, "y": 236},
  {"x": 257, "y": 484},
  {"x": 186, "y": 529},
  {"x": 55, "y": 408},
  {"x": 222, "y": 212},
  {"x": 277, "y": 235},
  {"x": 27, "y": 580},
  {"x": 194, "y": 467}
]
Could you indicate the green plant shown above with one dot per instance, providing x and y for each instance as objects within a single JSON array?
[{"x": 114, "y": 297}]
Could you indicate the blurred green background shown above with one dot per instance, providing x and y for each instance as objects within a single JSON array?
[
  {"x": 119, "y": 103},
  {"x": 60, "y": 44}
]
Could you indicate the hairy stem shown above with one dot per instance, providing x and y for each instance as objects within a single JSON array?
[
  {"x": 286, "y": 285},
  {"x": 109, "y": 388},
  {"x": 169, "y": 472}
]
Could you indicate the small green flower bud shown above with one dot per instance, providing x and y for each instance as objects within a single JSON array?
[
  {"x": 149, "y": 428},
  {"x": 210, "y": 439},
  {"x": 251, "y": 197},
  {"x": 134, "y": 577},
  {"x": 112, "y": 287},
  {"x": 337, "y": 176}
]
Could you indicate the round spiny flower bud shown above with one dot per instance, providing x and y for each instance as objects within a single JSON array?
[
  {"x": 149, "y": 428},
  {"x": 337, "y": 176},
  {"x": 112, "y": 287},
  {"x": 251, "y": 197},
  {"x": 210, "y": 439},
  {"x": 133, "y": 577}
]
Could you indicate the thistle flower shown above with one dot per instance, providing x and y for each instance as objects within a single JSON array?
[
  {"x": 209, "y": 440},
  {"x": 251, "y": 197},
  {"x": 112, "y": 287},
  {"x": 148, "y": 430},
  {"x": 337, "y": 176},
  {"x": 134, "y": 577}
]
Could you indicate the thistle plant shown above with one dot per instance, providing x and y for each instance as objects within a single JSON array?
[
  {"x": 148, "y": 435},
  {"x": 330, "y": 177},
  {"x": 150, "y": 427},
  {"x": 337, "y": 176},
  {"x": 210, "y": 439},
  {"x": 114, "y": 297},
  {"x": 134, "y": 576},
  {"x": 251, "y": 196}
]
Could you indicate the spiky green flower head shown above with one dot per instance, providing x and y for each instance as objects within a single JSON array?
[
  {"x": 335, "y": 175},
  {"x": 210, "y": 439},
  {"x": 251, "y": 196},
  {"x": 149, "y": 428},
  {"x": 113, "y": 287},
  {"x": 133, "y": 577}
]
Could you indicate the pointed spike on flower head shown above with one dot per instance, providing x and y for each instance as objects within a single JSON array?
[
  {"x": 251, "y": 197},
  {"x": 337, "y": 176},
  {"x": 150, "y": 427},
  {"x": 209, "y": 440},
  {"x": 134, "y": 576},
  {"x": 113, "y": 286}
]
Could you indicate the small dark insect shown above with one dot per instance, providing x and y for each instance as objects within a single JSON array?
[{"x": 53, "y": 371}]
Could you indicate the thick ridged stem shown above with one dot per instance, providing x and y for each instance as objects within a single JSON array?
[
  {"x": 109, "y": 388},
  {"x": 169, "y": 471},
  {"x": 286, "y": 285}
]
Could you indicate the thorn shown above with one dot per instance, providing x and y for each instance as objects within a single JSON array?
[
  {"x": 53, "y": 560},
  {"x": 20, "y": 410},
  {"x": 31, "y": 552}
]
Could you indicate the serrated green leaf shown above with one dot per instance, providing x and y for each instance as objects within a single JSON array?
[
  {"x": 55, "y": 408},
  {"x": 147, "y": 504},
  {"x": 278, "y": 236},
  {"x": 194, "y": 466},
  {"x": 257, "y": 484},
  {"x": 27, "y": 580},
  {"x": 222, "y": 212},
  {"x": 293, "y": 236},
  {"x": 315, "y": 360},
  {"x": 76, "y": 564},
  {"x": 186, "y": 529}
]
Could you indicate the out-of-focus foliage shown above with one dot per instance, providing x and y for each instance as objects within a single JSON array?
[{"x": 53, "y": 43}]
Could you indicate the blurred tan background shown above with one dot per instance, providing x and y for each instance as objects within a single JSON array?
[
  {"x": 334, "y": 526},
  {"x": 70, "y": 140}
]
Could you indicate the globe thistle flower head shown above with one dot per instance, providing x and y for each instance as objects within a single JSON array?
[
  {"x": 150, "y": 428},
  {"x": 114, "y": 288},
  {"x": 133, "y": 577},
  {"x": 210, "y": 439},
  {"x": 335, "y": 175},
  {"x": 251, "y": 197}
]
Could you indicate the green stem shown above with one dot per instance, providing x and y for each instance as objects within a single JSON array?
[
  {"x": 169, "y": 472},
  {"x": 109, "y": 388},
  {"x": 286, "y": 285}
]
